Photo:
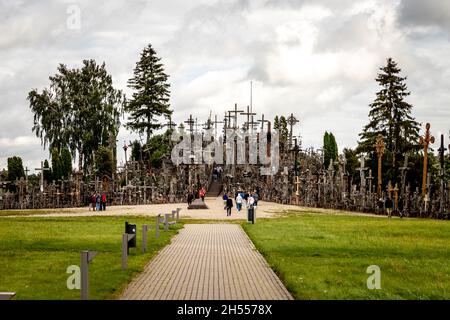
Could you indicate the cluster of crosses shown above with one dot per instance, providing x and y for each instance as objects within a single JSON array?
[{"x": 302, "y": 178}]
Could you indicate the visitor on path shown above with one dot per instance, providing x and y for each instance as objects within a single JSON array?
[
  {"x": 97, "y": 202},
  {"x": 104, "y": 201},
  {"x": 219, "y": 171},
  {"x": 256, "y": 198},
  {"x": 202, "y": 193},
  {"x": 92, "y": 199},
  {"x": 239, "y": 202},
  {"x": 190, "y": 198},
  {"x": 229, "y": 206},
  {"x": 251, "y": 201},
  {"x": 389, "y": 205},
  {"x": 225, "y": 198}
]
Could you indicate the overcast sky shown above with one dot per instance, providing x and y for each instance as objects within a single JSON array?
[{"x": 316, "y": 59}]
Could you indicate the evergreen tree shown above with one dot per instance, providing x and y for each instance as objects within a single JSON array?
[
  {"x": 104, "y": 162},
  {"x": 391, "y": 117},
  {"x": 15, "y": 168},
  {"x": 56, "y": 165},
  {"x": 66, "y": 163},
  {"x": 276, "y": 123},
  {"x": 330, "y": 149},
  {"x": 150, "y": 98}
]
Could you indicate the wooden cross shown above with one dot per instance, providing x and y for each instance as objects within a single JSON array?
[
  {"x": 170, "y": 124},
  {"x": 404, "y": 170},
  {"x": 291, "y": 121},
  {"x": 235, "y": 117},
  {"x": 425, "y": 142},
  {"x": 190, "y": 122},
  {"x": 370, "y": 178},
  {"x": 42, "y": 169},
  {"x": 442, "y": 150},
  {"x": 295, "y": 150},
  {"x": 248, "y": 114},
  {"x": 215, "y": 123},
  {"x": 380, "y": 147},
  {"x": 262, "y": 121}
]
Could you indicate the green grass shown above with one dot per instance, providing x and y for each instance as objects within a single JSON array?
[
  {"x": 35, "y": 254},
  {"x": 321, "y": 256}
]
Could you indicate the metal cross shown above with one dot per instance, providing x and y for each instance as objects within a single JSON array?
[
  {"x": 291, "y": 121},
  {"x": 262, "y": 121},
  {"x": 248, "y": 114},
  {"x": 235, "y": 111},
  {"x": 190, "y": 122}
]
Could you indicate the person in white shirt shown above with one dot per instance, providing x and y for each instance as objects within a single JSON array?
[
  {"x": 251, "y": 200},
  {"x": 238, "y": 202}
]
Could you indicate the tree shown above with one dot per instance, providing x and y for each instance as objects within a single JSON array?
[
  {"x": 150, "y": 98},
  {"x": 15, "y": 168},
  {"x": 352, "y": 163},
  {"x": 56, "y": 165},
  {"x": 66, "y": 163},
  {"x": 80, "y": 110},
  {"x": 104, "y": 161},
  {"x": 391, "y": 117},
  {"x": 276, "y": 123},
  {"x": 330, "y": 149}
]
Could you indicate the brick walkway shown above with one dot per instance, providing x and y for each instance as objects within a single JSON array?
[{"x": 208, "y": 262}]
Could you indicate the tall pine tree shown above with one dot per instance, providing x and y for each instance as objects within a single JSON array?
[
  {"x": 150, "y": 98},
  {"x": 390, "y": 116}
]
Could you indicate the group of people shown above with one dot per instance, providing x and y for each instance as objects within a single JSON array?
[
  {"x": 98, "y": 201},
  {"x": 242, "y": 199},
  {"x": 217, "y": 173},
  {"x": 192, "y": 195}
]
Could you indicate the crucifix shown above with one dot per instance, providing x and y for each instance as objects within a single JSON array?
[
  {"x": 370, "y": 178},
  {"x": 380, "y": 147},
  {"x": 291, "y": 121},
  {"x": 297, "y": 186},
  {"x": 190, "y": 122},
  {"x": 42, "y": 169},
  {"x": 235, "y": 117},
  {"x": 425, "y": 142},
  {"x": 404, "y": 170}
]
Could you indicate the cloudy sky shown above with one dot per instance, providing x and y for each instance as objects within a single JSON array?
[{"x": 316, "y": 59}]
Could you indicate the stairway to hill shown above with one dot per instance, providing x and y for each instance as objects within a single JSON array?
[{"x": 215, "y": 188}]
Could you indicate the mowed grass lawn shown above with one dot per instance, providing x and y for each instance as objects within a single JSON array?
[
  {"x": 322, "y": 256},
  {"x": 35, "y": 254}
]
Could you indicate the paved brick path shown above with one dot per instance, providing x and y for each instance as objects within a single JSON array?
[{"x": 208, "y": 262}]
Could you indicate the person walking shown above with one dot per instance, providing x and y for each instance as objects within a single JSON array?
[
  {"x": 92, "y": 204},
  {"x": 190, "y": 197},
  {"x": 389, "y": 205},
  {"x": 229, "y": 206},
  {"x": 202, "y": 193},
  {"x": 225, "y": 198},
  {"x": 251, "y": 201},
  {"x": 239, "y": 203},
  {"x": 104, "y": 201},
  {"x": 97, "y": 202},
  {"x": 256, "y": 198}
]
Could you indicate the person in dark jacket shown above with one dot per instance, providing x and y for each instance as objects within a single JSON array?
[
  {"x": 229, "y": 206},
  {"x": 389, "y": 205}
]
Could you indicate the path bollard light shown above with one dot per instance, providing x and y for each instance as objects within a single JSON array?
[
  {"x": 166, "y": 221},
  {"x": 86, "y": 257},
  {"x": 144, "y": 238},
  {"x": 131, "y": 229},
  {"x": 251, "y": 214},
  {"x": 174, "y": 213},
  {"x": 178, "y": 214}
]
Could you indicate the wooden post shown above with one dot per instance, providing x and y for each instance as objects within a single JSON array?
[
  {"x": 425, "y": 141},
  {"x": 144, "y": 238},
  {"x": 178, "y": 214},
  {"x": 86, "y": 257},
  {"x": 166, "y": 221},
  {"x": 124, "y": 250},
  {"x": 157, "y": 226},
  {"x": 380, "y": 147}
]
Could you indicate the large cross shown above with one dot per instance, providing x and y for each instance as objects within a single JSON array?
[
  {"x": 26, "y": 176},
  {"x": 380, "y": 147},
  {"x": 404, "y": 170},
  {"x": 441, "y": 151},
  {"x": 297, "y": 184},
  {"x": 291, "y": 121},
  {"x": 425, "y": 142},
  {"x": 235, "y": 117},
  {"x": 170, "y": 124},
  {"x": 190, "y": 122},
  {"x": 42, "y": 169},
  {"x": 295, "y": 151},
  {"x": 249, "y": 114},
  {"x": 262, "y": 121}
]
